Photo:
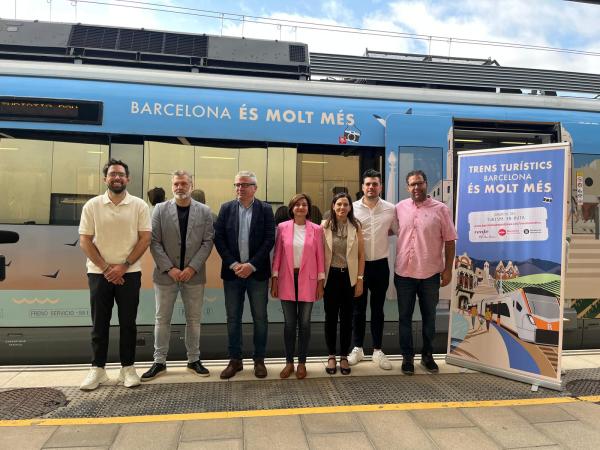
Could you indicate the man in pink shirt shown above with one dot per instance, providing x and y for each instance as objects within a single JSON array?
[{"x": 424, "y": 256}]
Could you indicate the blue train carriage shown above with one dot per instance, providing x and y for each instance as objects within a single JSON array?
[{"x": 60, "y": 121}]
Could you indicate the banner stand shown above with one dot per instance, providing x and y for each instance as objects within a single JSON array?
[{"x": 508, "y": 284}]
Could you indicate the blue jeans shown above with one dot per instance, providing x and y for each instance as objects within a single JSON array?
[
  {"x": 428, "y": 291},
  {"x": 193, "y": 298},
  {"x": 258, "y": 292}
]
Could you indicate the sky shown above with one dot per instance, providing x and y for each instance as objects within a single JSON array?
[{"x": 350, "y": 27}]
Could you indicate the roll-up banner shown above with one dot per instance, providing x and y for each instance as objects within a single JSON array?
[{"x": 508, "y": 285}]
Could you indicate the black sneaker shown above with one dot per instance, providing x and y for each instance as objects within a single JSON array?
[
  {"x": 429, "y": 364},
  {"x": 408, "y": 366},
  {"x": 156, "y": 370},
  {"x": 197, "y": 368}
]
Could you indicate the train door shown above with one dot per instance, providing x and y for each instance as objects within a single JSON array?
[
  {"x": 420, "y": 142},
  {"x": 584, "y": 248}
]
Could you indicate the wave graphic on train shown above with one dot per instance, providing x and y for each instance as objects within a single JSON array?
[{"x": 531, "y": 313}]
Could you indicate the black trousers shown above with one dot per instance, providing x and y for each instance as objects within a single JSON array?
[
  {"x": 377, "y": 279},
  {"x": 102, "y": 298},
  {"x": 339, "y": 301}
]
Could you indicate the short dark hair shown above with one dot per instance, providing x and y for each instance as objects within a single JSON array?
[
  {"x": 371, "y": 173},
  {"x": 199, "y": 195},
  {"x": 115, "y": 162},
  {"x": 413, "y": 173},
  {"x": 295, "y": 199},
  {"x": 156, "y": 195}
]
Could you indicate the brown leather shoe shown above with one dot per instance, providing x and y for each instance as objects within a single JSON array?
[
  {"x": 260, "y": 371},
  {"x": 287, "y": 370},
  {"x": 301, "y": 371},
  {"x": 234, "y": 366}
]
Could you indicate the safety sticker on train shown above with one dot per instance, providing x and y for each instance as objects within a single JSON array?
[{"x": 520, "y": 224}]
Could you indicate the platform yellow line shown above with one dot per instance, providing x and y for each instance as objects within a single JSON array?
[{"x": 291, "y": 411}]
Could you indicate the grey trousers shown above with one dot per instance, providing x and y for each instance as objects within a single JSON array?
[{"x": 193, "y": 298}]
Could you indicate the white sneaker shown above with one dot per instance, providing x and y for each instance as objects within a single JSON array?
[
  {"x": 355, "y": 356},
  {"x": 129, "y": 377},
  {"x": 380, "y": 359},
  {"x": 95, "y": 377}
]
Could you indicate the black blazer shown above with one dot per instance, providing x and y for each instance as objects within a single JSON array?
[{"x": 262, "y": 238}]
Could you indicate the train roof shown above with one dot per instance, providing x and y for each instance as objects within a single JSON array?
[{"x": 199, "y": 60}]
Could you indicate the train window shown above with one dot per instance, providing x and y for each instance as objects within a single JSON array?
[
  {"x": 544, "y": 305},
  {"x": 40, "y": 179},
  {"x": 585, "y": 192},
  {"x": 214, "y": 169},
  {"x": 519, "y": 307},
  {"x": 504, "y": 311},
  {"x": 322, "y": 176}
]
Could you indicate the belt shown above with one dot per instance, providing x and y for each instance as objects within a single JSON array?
[{"x": 338, "y": 269}]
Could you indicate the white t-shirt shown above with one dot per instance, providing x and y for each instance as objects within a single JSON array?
[
  {"x": 376, "y": 225},
  {"x": 299, "y": 237},
  {"x": 115, "y": 228}
]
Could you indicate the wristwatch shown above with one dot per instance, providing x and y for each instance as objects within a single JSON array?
[
  {"x": 127, "y": 263},
  {"x": 361, "y": 277}
]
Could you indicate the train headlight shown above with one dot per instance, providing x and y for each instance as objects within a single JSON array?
[{"x": 531, "y": 319}]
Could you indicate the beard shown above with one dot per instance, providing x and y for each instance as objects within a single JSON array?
[
  {"x": 116, "y": 190},
  {"x": 182, "y": 196}
]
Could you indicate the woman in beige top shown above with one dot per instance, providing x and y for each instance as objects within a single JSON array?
[{"x": 344, "y": 268}]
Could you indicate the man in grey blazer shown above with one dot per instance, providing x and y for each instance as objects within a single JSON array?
[{"x": 182, "y": 239}]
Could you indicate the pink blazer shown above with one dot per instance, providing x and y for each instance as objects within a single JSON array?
[{"x": 311, "y": 265}]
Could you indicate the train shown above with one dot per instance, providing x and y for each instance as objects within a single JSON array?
[
  {"x": 73, "y": 95},
  {"x": 531, "y": 313}
]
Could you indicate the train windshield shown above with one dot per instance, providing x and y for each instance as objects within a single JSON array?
[{"x": 544, "y": 306}]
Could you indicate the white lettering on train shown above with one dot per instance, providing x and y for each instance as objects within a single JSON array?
[{"x": 179, "y": 110}]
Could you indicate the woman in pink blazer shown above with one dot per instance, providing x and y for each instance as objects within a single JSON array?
[{"x": 298, "y": 278}]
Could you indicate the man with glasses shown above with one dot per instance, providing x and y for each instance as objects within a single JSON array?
[
  {"x": 378, "y": 220},
  {"x": 424, "y": 258},
  {"x": 182, "y": 239},
  {"x": 244, "y": 236},
  {"x": 114, "y": 234}
]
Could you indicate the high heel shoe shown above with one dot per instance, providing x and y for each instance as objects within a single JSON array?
[
  {"x": 331, "y": 370},
  {"x": 344, "y": 370}
]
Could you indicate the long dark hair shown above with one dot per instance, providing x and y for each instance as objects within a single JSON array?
[{"x": 332, "y": 220}]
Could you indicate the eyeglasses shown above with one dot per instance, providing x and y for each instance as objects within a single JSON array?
[
  {"x": 116, "y": 174},
  {"x": 243, "y": 185},
  {"x": 417, "y": 184}
]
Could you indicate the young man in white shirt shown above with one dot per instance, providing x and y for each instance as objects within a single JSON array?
[
  {"x": 378, "y": 221},
  {"x": 114, "y": 233}
]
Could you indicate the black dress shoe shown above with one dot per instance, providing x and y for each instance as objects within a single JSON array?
[
  {"x": 429, "y": 364},
  {"x": 408, "y": 366},
  {"x": 234, "y": 366},
  {"x": 331, "y": 370},
  {"x": 156, "y": 370},
  {"x": 197, "y": 368},
  {"x": 344, "y": 370},
  {"x": 260, "y": 370}
]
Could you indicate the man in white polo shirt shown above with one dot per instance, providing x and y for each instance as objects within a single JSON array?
[
  {"x": 114, "y": 234},
  {"x": 378, "y": 221}
]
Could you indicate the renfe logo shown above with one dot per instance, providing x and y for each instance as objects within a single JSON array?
[{"x": 501, "y": 231}]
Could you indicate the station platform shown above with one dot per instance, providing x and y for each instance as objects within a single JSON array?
[{"x": 41, "y": 407}]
